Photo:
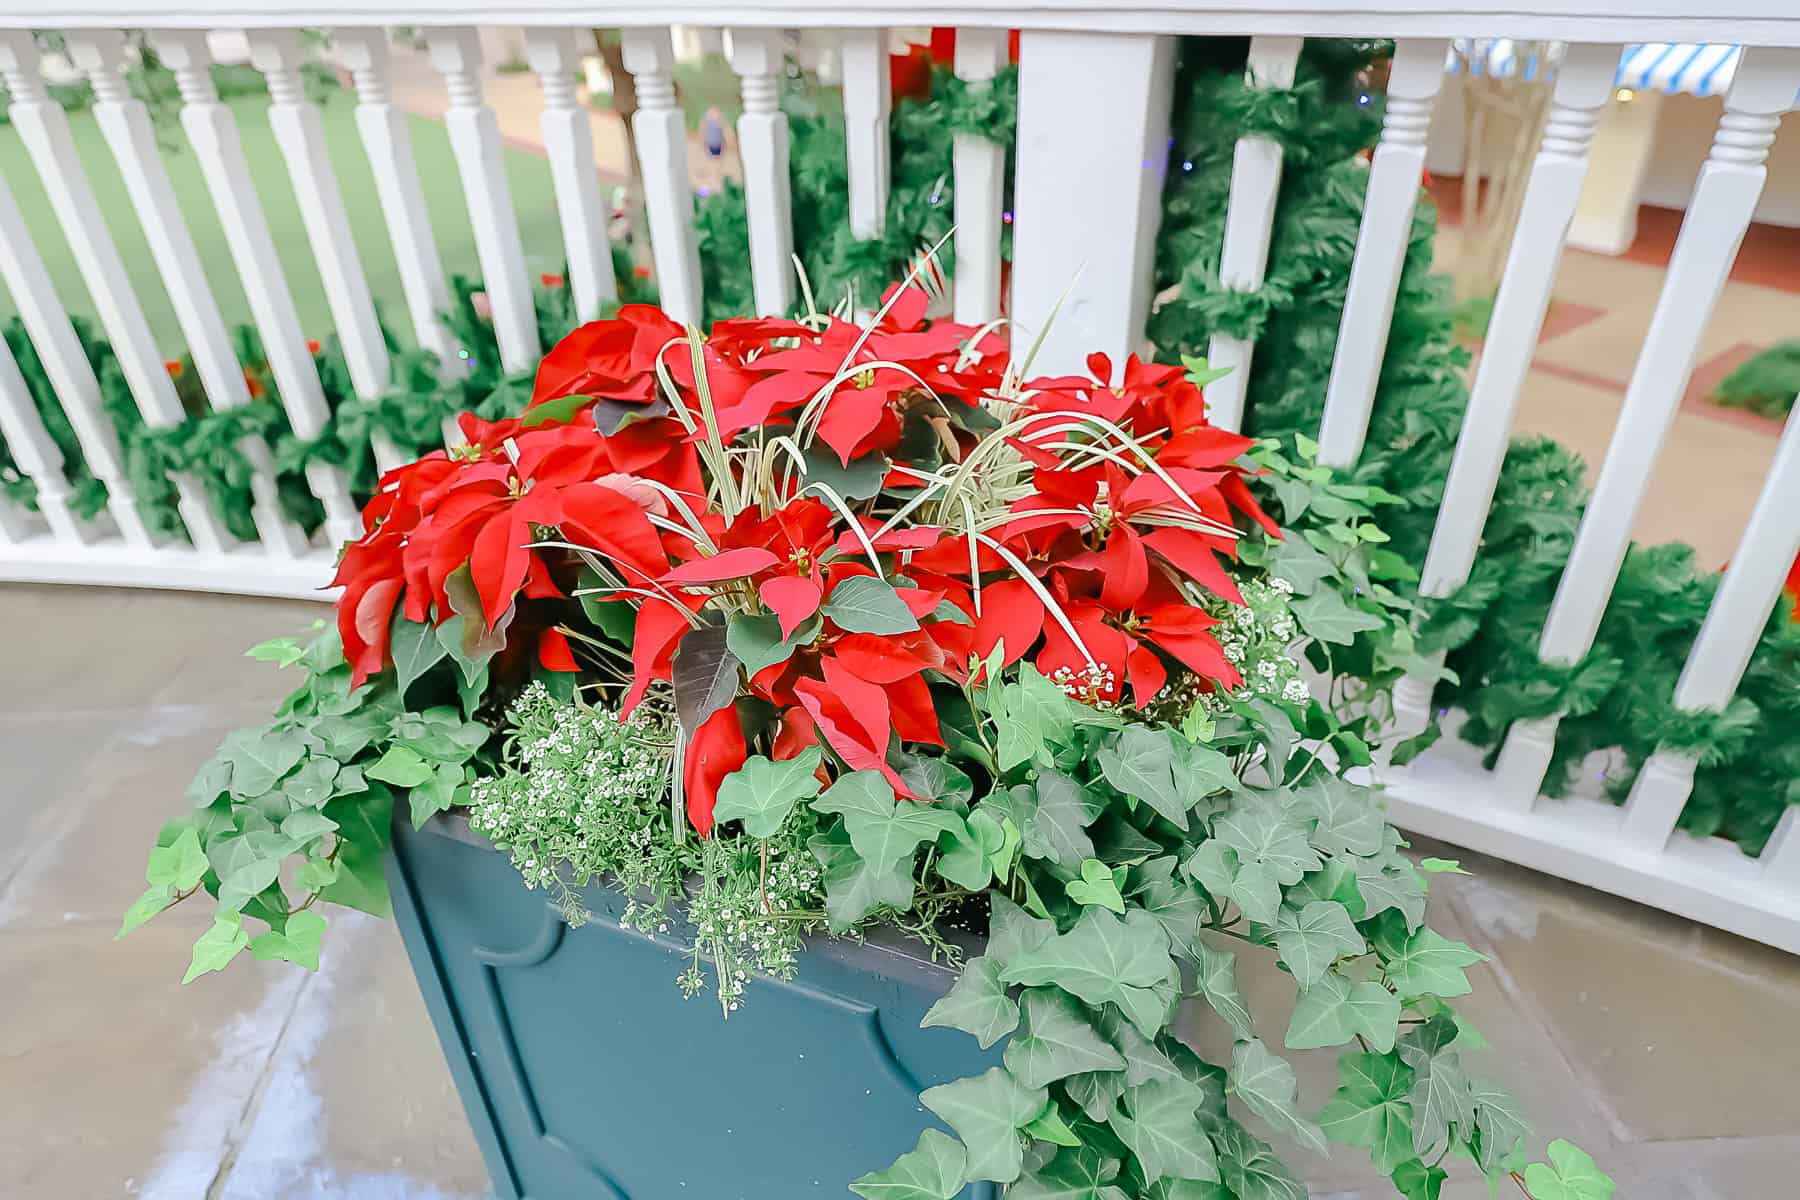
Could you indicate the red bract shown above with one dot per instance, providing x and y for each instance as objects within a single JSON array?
[{"x": 1088, "y": 536}]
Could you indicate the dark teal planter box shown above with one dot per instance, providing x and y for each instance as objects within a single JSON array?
[{"x": 587, "y": 1076}]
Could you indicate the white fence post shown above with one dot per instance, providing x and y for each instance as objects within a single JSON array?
[
  {"x": 388, "y": 144},
  {"x": 475, "y": 140},
  {"x": 66, "y": 364},
  {"x": 1723, "y": 203},
  {"x": 756, "y": 55},
  {"x": 126, "y": 126},
  {"x": 1249, "y": 224},
  {"x": 867, "y": 100},
  {"x": 569, "y": 143},
  {"x": 44, "y": 129},
  {"x": 661, "y": 134},
  {"x": 1381, "y": 245},
  {"x": 213, "y": 133},
  {"x": 1085, "y": 227},
  {"x": 1583, "y": 84},
  {"x": 36, "y": 455},
  {"x": 1733, "y": 625},
  {"x": 979, "y": 165}
]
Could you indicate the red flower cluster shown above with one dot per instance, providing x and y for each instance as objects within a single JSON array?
[{"x": 1106, "y": 508}]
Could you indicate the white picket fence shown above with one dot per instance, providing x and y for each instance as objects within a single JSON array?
[{"x": 1094, "y": 105}]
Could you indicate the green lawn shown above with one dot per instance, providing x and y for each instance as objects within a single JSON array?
[{"x": 527, "y": 173}]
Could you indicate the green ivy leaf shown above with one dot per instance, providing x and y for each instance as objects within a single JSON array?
[
  {"x": 1502, "y": 1126},
  {"x": 1029, "y": 715},
  {"x": 762, "y": 793},
  {"x": 1571, "y": 1175},
  {"x": 298, "y": 943},
  {"x": 1216, "y": 977},
  {"x": 1370, "y": 1109},
  {"x": 282, "y": 651},
  {"x": 179, "y": 865},
  {"x": 1052, "y": 816},
  {"x": 1250, "y": 1168},
  {"x": 1302, "y": 566},
  {"x": 1442, "y": 866},
  {"x": 1141, "y": 764},
  {"x": 1055, "y": 1040},
  {"x": 363, "y": 835},
  {"x": 936, "y": 1169},
  {"x": 757, "y": 640},
  {"x": 435, "y": 795},
  {"x": 1269, "y": 837},
  {"x": 1348, "y": 821},
  {"x": 155, "y": 898},
  {"x": 1013, "y": 932},
  {"x": 937, "y": 779},
  {"x": 976, "y": 1003},
  {"x": 305, "y": 826},
  {"x": 967, "y": 855},
  {"x": 1333, "y": 1010},
  {"x": 1103, "y": 958},
  {"x": 1081, "y": 1173},
  {"x": 1313, "y": 938},
  {"x": 1391, "y": 884},
  {"x": 259, "y": 758},
  {"x": 987, "y": 1111},
  {"x": 313, "y": 783},
  {"x": 1251, "y": 885},
  {"x": 1159, "y": 1123},
  {"x": 1325, "y": 616},
  {"x": 1266, "y": 1083},
  {"x": 218, "y": 945},
  {"x": 1417, "y": 1181},
  {"x": 1440, "y": 1099},
  {"x": 316, "y": 873},
  {"x": 885, "y": 833},
  {"x": 865, "y": 604},
  {"x": 1425, "y": 963},
  {"x": 1099, "y": 885},
  {"x": 400, "y": 766},
  {"x": 855, "y": 887},
  {"x": 1178, "y": 906},
  {"x": 1048, "y": 1126}
]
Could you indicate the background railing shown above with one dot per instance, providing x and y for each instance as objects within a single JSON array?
[{"x": 1095, "y": 83}]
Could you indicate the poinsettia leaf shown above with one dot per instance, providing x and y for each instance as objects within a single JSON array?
[
  {"x": 704, "y": 674},
  {"x": 987, "y": 1111},
  {"x": 935, "y": 1169},
  {"x": 977, "y": 1003},
  {"x": 757, "y": 641},
  {"x": 865, "y": 604},
  {"x": 415, "y": 649}
]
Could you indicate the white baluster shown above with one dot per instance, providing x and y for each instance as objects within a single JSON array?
[
  {"x": 1733, "y": 625},
  {"x": 1724, "y": 200},
  {"x": 569, "y": 142},
  {"x": 44, "y": 128},
  {"x": 16, "y": 525},
  {"x": 1583, "y": 85},
  {"x": 388, "y": 144},
  {"x": 66, "y": 364},
  {"x": 213, "y": 133},
  {"x": 1249, "y": 224},
  {"x": 36, "y": 455},
  {"x": 756, "y": 55},
  {"x": 867, "y": 99},
  {"x": 125, "y": 124},
  {"x": 661, "y": 135},
  {"x": 475, "y": 140},
  {"x": 980, "y": 167},
  {"x": 1085, "y": 229},
  {"x": 1781, "y": 857},
  {"x": 1381, "y": 244}
]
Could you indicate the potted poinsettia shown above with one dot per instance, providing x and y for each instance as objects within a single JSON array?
[{"x": 944, "y": 722}]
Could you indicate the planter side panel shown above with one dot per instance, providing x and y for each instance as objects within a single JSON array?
[{"x": 586, "y": 1074}]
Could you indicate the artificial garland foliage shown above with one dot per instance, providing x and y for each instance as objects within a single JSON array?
[
  {"x": 1766, "y": 383},
  {"x": 921, "y": 192},
  {"x": 1620, "y": 694}
]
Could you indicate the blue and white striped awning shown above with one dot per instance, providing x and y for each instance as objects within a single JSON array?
[{"x": 1696, "y": 69}]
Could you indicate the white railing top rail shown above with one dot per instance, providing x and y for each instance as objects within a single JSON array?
[{"x": 1744, "y": 22}]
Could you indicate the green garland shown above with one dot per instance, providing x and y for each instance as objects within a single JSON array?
[
  {"x": 920, "y": 196},
  {"x": 1765, "y": 384},
  {"x": 1619, "y": 695}
]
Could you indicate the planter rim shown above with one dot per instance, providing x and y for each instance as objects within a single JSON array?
[{"x": 883, "y": 949}]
